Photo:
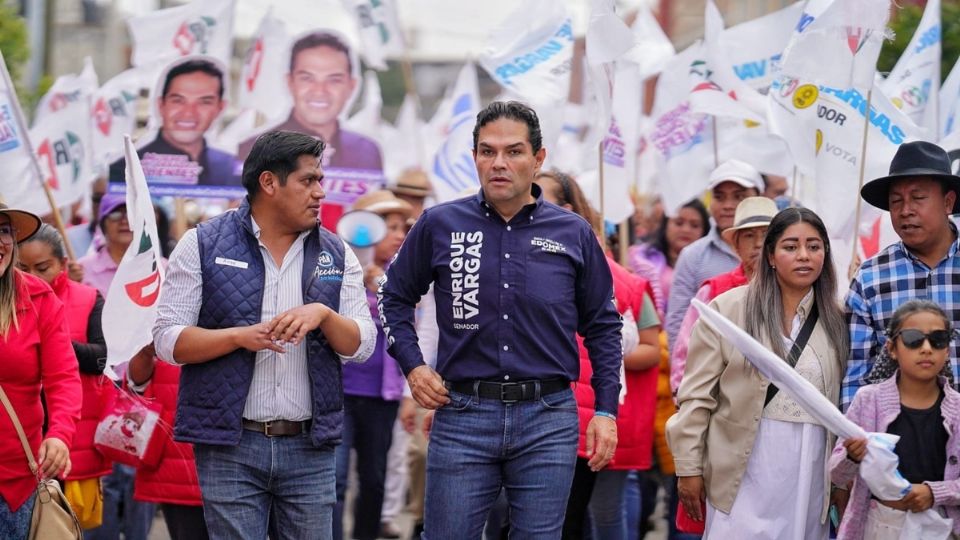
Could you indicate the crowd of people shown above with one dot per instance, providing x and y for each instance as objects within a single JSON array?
[{"x": 488, "y": 364}]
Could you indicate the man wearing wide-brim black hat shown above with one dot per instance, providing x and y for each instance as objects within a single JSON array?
[{"x": 920, "y": 193}]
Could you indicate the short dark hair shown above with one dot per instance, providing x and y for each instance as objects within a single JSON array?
[
  {"x": 192, "y": 66},
  {"x": 277, "y": 152},
  {"x": 320, "y": 39},
  {"x": 513, "y": 110}
]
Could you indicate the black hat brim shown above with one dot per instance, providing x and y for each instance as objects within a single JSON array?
[{"x": 876, "y": 192}]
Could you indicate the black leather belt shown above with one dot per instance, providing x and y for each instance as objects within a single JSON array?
[
  {"x": 277, "y": 428},
  {"x": 509, "y": 391}
]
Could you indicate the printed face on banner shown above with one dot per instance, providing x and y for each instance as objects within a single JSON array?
[
  {"x": 178, "y": 159},
  {"x": 323, "y": 82}
]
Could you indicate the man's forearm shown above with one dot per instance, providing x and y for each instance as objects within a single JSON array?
[
  {"x": 197, "y": 345},
  {"x": 343, "y": 333}
]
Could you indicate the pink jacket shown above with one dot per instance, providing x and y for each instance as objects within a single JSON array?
[{"x": 874, "y": 407}]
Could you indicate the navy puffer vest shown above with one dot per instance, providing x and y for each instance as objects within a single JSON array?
[{"x": 213, "y": 394}]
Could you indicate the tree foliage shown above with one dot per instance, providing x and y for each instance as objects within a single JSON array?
[
  {"x": 904, "y": 23},
  {"x": 13, "y": 40}
]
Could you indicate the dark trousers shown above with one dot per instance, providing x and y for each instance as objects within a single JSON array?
[
  {"x": 184, "y": 522},
  {"x": 575, "y": 523},
  {"x": 368, "y": 429}
]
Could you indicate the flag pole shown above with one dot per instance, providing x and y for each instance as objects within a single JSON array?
[
  {"x": 794, "y": 195},
  {"x": 57, "y": 218},
  {"x": 863, "y": 164},
  {"x": 716, "y": 152}
]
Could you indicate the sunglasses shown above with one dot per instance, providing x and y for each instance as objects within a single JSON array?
[{"x": 913, "y": 339}]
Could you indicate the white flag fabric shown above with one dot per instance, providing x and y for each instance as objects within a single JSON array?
[
  {"x": 914, "y": 83},
  {"x": 950, "y": 103},
  {"x": 199, "y": 27},
  {"x": 131, "y": 305},
  {"x": 714, "y": 88},
  {"x": 849, "y": 33},
  {"x": 608, "y": 38},
  {"x": 403, "y": 143},
  {"x": 533, "y": 62},
  {"x": 453, "y": 169},
  {"x": 620, "y": 143},
  {"x": 20, "y": 181},
  {"x": 683, "y": 138},
  {"x": 263, "y": 85},
  {"x": 115, "y": 114},
  {"x": 379, "y": 29},
  {"x": 878, "y": 468},
  {"x": 367, "y": 120},
  {"x": 652, "y": 49},
  {"x": 754, "y": 48},
  {"x": 62, "y": 136}
]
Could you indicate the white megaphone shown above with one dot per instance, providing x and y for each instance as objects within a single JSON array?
[{"x": 362, "y": 228}]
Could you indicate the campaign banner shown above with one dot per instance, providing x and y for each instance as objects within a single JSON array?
[
  {"x": 62, "y": 136},
  {"x": 114, "y": 115},
  {"x": 914, "y": 83},
  {"x": 263, "y": 84},
  {"x": 950, "y": 103},
  {"x": 453, "y": 170},
  {"x": 203, "y": 27},
  {"x": 131, "y": 305},
  {"x": 379, "y": 28},
  {"x": 754, "y": 48},
  {"x": 20, "y": 181},
  {"x": 176, "y": 155}
]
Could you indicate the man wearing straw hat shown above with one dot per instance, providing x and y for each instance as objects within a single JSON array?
[{"x": 920, "y": 193}]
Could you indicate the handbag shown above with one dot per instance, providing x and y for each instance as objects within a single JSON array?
[
  {"x": 128, "y": 431},
  {"x": 52, "y": 518}
]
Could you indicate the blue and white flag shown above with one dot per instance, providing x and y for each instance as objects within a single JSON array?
[
  {"x": 950, "y": 103},
  {"x": 20, "y": 182},
  {"x": 914, "y": 83},
  {"x": 453, "y": 169}
]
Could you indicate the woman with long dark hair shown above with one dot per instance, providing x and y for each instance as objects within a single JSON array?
[
  {"x": 752, "y": 452},
  {"x": 35, "y": 353}
]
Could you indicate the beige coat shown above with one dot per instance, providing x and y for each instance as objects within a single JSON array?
[{"x": 721, "y": 400}]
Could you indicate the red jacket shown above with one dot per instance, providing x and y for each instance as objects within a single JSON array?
[
  {"x": 724, "y": 282},
  {"x": 635, "y": 415},
  {"x": 78, "y": 299},
  {"x": 37, "y": 353},
  {"x": 174, "y": 479}
]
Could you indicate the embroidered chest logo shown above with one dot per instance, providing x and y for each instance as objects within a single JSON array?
[
  {"x": 465, "y": 276},
  {"x": 547, "y": 245},
  {"x": 325, "y": 270}
]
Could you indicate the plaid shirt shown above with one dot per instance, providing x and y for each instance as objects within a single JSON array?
[{"x": 882, "y": 283}]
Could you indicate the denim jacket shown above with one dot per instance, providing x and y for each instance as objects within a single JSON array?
[{"x": 874, "y": 408}]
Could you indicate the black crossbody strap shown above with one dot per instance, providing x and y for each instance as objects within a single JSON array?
[{"x": 796, "y": 350}]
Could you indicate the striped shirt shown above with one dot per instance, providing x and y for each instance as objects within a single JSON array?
[
  {"x": 882, "y": 283},
  {"x": 280, "y": 389},
  {"x": 707, "y": 257}
]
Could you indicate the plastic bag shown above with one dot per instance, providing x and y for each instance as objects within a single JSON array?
[{"x": 127, "y": 431}]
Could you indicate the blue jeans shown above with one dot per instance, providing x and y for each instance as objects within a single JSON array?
[
  {"x": 607, "y": 508},
  {"x": 283, "y": 486},
  {"x": 476, "y": 446},
  {"x": 122, "y": 514},
  {"x": 16, "y": 525},
  {"x": 367, "y": 428}
]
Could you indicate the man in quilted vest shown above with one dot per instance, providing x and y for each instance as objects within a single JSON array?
[{"x": 260, "y": 307}]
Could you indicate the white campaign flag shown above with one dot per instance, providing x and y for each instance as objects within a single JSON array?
[
  {"x": 131, "y": 306},
  {"x": 62, "y": 136},
  {"x": 263, "y": 85},
  {"x": 379, "y": 28},
  {"x": 367, "y": 120},
  {"x": 714, "y": 88},
  {"x": 652, "y": 48},
  {"x": 608, "y": 38},
  {"x": 532, "y": 58},
  {"x": 199, "y": 27},
  {"x": 114, "y": 114},
  {"x": 754, "y": 48},
  {"x": 683, "y": 138},
  {"x": 20, "y": 181},
  {"x": 839, "y": 47},
  {"x": 403, "y": 145},
  {"x": 620, "y": 143},
  {"x": 453, "y": 169},
  {"x": 950, "y": 103},
  {"x": 914, "y": 83}
]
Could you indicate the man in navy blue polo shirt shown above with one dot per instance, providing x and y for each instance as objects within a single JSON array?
[{"x": 515, "y": 278}]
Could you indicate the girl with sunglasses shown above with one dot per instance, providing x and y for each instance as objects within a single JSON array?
[{"x": 910, "y": 396}]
